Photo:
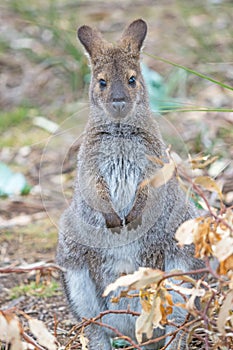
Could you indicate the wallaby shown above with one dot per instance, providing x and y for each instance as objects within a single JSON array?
[{"x": 113, "y": 225}]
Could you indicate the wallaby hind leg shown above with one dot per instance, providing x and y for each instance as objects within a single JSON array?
[
  {"x": 82, "y": 296},
  {"x": 97, "y": 338}
]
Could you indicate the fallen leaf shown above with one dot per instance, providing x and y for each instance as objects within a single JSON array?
[
  {"x": 84, "y": 341},
  {"x": 3, "y": 328},
  {"x": 42, "y": 334},
  {"x": 224, "y": 312},
  {"x": 10, "y": 330}
]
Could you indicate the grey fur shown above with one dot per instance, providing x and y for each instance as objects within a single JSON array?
[{"x": 112, "y": 226}]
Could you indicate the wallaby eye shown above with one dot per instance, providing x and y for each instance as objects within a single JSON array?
[
  {"x": 132, "y": 81},
  {"x": 102, "y": 83}
]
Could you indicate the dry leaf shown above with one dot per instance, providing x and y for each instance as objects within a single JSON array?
[
  {"x": 193, "y": 292},
  {"x": 161, "y": 177},
  {"x": 186, "y": 232},
  {"x": 202, "y": 162},
  {"x": 10, "y": 330},
  {"x": 157, "y": 311},
  {"x": 84, "y": 341},
  {"x": 209, "y": 184},
  {"x": 226, "y": 267},
  {"x": 3, "y": 327},
  {"x": 196, "y": 291},
  {"x": 184, "y": 278},
  {"x": 144, "y": 325},
  {"x": 139, "y": 279},
  {"x": 224, "y": 312},
  {"x": 224, "y": 248},
  {"x": 155, "y": 159},
  {"x": 42, "y": 334},
  {"x": 229, "y": 263},
  {"x": 146, "y": 299}
]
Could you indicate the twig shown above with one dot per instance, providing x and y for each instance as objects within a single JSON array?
[
  {"x": 30, "y": 340},
  {"x": 118, "y": 333},
  {"x": 31, "y": 267},
  {"x": 176, "y": 274},
  {"x": 169, "y": 342},
  {"x": 201, "y": 194},
  {"x": 85, "y": 323},
  {"x": 171, "y": 334},
  {"x": 55, "y": 325}
]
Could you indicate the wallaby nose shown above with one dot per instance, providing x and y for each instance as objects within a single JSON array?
[{"x": 118, "y": 106}]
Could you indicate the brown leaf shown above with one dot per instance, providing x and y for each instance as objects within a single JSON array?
[
  {"x": 209, "y": 184},
  {"x": 161, "y": 177},
  {"x": 155, "y": 159},
  {"x": 144, "y": 325},
  {"x": 157, "y": 311},
  {"x": 42, "y": 334},
  {"x": 202, "y": 162},
  {"x": 224, "y": 248},
  {"x": 146, "y": 300},
  {"x": 3, "y": 327},
  {"x": 10, "y": 330},
  {"x": 184, "y": 278},
  {"x": 226, "y": 266},
  {"x": 224, "y": 312}
]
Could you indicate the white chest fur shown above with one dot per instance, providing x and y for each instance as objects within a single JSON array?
[{"x": 121, "y": 166}]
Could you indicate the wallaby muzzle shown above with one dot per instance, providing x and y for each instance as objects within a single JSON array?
[{"x": 119, "y": 101}]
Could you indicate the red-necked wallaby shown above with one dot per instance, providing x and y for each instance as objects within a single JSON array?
[{"x": 113, "y": 225}]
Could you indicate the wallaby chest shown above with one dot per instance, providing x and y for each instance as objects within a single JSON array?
[{"x": 122, "y": 164}]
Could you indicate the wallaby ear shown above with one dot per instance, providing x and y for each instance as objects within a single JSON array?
[
  {"x": 90, "y": 38},
  {"x": 134, "y": 35}
]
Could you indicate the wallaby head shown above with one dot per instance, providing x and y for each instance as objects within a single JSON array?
[{"x": 117, "y": 86}]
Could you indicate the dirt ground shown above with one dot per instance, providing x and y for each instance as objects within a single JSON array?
[{"x": 42, "y": 74}]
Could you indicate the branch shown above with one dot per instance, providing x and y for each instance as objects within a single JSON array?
[
  {"x": 202, "y": 195},
  {"x": 30, "y": 340},
  {"x": 171, "y": 334},
  {"x": 85, "y": 323},
  {"x": 176, "y": 274},
  {"x": 30, "y": 267},
  {"x": 119, "y": 334}
]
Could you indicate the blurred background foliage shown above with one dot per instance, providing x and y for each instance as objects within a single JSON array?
[{"x": 44, "y": 72}]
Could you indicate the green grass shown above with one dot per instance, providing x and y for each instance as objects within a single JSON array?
[
  {"x": 192, "y": 71},
  {"x": 13, "y": 117},
  {"x": 35, "y": 289}
]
